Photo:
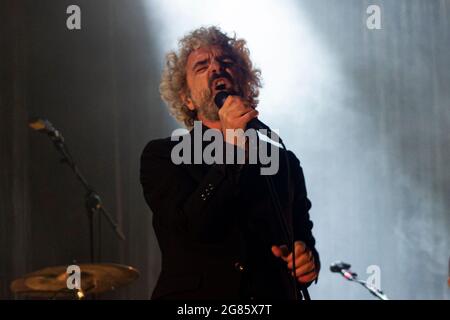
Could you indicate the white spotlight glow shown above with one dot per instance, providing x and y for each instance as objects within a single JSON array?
[{"x": 295, "y": 68}]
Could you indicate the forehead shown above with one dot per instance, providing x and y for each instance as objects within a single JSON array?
[{"x": 206, "y": 52}]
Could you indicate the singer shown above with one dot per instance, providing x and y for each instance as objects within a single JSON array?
[{"x": 217, "y": 224}]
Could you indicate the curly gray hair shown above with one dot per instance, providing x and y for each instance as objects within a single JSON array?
[{"x": 173, "y": 80}]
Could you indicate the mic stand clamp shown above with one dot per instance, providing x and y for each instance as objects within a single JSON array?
[{"x": 352, "y": 276}]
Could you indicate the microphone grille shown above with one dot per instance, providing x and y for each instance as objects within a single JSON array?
[
  {"x": 220, "y": 98},
  {"x": 338, "y": 266}
]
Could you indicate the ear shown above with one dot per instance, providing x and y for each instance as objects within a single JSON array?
[{"x": 187, "y": 101}]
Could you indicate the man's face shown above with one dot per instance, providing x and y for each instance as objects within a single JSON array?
[{"x": 208, "y": 71}]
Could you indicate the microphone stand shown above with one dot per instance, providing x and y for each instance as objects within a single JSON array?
[
  {"x": 351, "y": 276},
  {"x": 93, "y": 202},
  {"x": 287, "y": 233}
]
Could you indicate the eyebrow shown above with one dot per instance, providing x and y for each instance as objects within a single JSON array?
[
  {"x": 199, "y": 63},
  {"x": 226, "y": 56},
  {"x": 205, "y": 61}
]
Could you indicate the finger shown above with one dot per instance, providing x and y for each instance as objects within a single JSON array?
[
  {"x": 237, "y": 111},
  {"x": 301, "y": 260},
  {"x": 307, "y": 278},
  {"x": 280, "y": 251},
  {"x": 241, "y": 113},
  {"x": 249, "y": 116},
  {"x": 300, "y": 247},
  {"x": 233, "y": 103},
  {"x": 235, "y": 114},
  {"x": 276, "y": 251},
  {"x": 304, "y": 269},
  {"x": 228, "y": 101}
]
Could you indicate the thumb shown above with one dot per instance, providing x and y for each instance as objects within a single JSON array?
[{"x": 277, "y": 251}]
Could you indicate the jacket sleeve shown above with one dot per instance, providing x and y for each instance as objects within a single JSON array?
[
  {"x": 301, "y": 206},
  {"x": 203, "y": 210}
]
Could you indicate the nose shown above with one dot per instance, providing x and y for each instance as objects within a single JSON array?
[{"x": 216, "y": 66}]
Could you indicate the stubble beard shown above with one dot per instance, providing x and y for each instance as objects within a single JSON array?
[{"x": 206, "y": 106}]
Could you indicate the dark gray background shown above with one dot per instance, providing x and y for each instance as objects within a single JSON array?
[{"x": 374, "y": 141}]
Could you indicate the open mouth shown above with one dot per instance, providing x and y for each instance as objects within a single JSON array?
[
  {"x": 221, "y": 84},
  {"x": 220, "y": 87}
]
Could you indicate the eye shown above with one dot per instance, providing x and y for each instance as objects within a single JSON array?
[
  {"x": 201, "y": 69},
  {"x": 227, "y": 62}
]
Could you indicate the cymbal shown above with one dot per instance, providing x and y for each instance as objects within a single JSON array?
[{"x": 51, "y": 282}]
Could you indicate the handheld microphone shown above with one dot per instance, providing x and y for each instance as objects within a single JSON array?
[{"x": 256, "y": 124}]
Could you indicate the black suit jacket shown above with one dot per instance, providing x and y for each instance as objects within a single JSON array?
[{"x": 215, "y": 225}]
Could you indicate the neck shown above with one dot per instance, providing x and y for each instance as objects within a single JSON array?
[{"x": 210, "y": 124}]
